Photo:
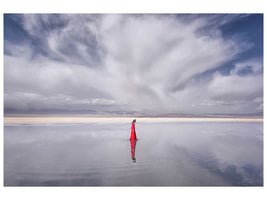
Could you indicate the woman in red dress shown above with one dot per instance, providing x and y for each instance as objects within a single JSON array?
[{"x": 133, "y": 133}]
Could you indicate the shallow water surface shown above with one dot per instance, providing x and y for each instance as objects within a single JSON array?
[{"x": 166, "y": 154}]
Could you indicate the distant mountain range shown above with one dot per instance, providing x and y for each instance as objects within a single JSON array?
[{"x": 93, "y": 113}]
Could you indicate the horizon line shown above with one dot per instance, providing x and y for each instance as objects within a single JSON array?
[{"x": 69, "y": 119}]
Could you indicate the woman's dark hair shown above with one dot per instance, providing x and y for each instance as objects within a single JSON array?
[{"x": 134, "y": 120}]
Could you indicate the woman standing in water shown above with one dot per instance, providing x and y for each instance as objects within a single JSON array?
[
  {"x": 133, "y": 140},
  {"x": 133, "y": 133}
]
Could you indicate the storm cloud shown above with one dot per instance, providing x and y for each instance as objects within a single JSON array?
[{"x": 140, "y": 63}]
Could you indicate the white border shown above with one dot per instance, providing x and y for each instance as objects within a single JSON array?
[{"x": 133, "y": 6}]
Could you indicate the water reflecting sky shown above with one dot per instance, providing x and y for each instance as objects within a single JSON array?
[{"x": 166, "y": 154}]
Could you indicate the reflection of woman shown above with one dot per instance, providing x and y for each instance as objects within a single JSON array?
[
  {"x": 133, "y": 143},
  {"x": 133, "y": 133}
]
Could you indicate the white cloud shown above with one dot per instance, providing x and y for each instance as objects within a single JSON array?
[
  {"x": 145, "y": 63},
  {"x": 235, "y": 87},
  {"x": 254, "y": 66}
]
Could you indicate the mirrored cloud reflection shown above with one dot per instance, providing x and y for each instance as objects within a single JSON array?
[{"x": 172, "y": 154}]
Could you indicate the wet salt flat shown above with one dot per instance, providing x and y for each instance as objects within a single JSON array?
[{"x": 166, "y": 154}]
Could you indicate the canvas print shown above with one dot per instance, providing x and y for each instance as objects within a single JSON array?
[{"x": 133, "y": 99}]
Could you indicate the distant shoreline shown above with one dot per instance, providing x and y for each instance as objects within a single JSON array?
[{"x": 79, "y": 119}]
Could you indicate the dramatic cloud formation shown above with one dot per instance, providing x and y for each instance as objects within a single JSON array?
[{"x": 132, "y": 64}]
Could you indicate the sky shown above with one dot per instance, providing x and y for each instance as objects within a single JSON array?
[{"x": 133, "y": 64}]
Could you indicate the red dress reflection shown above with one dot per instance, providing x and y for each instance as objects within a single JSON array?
[
  {"x": 133, "y": 144},
  {"x": 133, "y": 133}
]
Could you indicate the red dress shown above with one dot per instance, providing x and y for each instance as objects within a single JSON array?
[{"x": 133, "y": 134}]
